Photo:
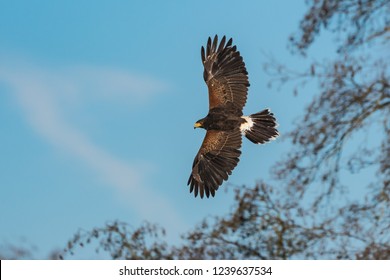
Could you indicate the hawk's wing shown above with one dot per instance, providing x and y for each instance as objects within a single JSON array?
[
  {"x": 217, "y": 157},
  {"x": 224, "y": 73}
]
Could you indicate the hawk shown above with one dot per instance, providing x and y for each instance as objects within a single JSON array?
[{"x": 227, "y": 81}]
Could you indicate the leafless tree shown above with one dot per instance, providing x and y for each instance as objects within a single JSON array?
[{"x": 311, "y": 213}]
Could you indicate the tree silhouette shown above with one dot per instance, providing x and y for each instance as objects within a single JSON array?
[{"x": 310, "y": 214}]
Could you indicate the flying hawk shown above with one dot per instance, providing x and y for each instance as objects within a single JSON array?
[{"x": 227, "y": 81}]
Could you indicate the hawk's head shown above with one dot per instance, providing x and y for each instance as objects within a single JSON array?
[{"x": 199, "y": 123}]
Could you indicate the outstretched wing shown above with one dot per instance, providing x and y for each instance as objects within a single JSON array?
[
  {"x": 224, "y": 73},
  {"x": 215, "y": 161}
]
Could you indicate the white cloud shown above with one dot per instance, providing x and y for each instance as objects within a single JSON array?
[
  {"x": 115, "y": 83},
  {"x": 39, "y": 93}
]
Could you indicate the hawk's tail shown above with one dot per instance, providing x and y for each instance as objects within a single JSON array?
[{"x": 260, "y": 127}]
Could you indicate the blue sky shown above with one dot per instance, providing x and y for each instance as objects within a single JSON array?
[{"x": 98, "y": 101}]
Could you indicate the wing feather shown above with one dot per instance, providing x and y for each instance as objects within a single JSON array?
[
  {"x": 224, "y": 73},
  {"x": 215, "y": 161}
]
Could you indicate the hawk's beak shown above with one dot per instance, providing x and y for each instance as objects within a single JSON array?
[{"x": 196, "y": 125}]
